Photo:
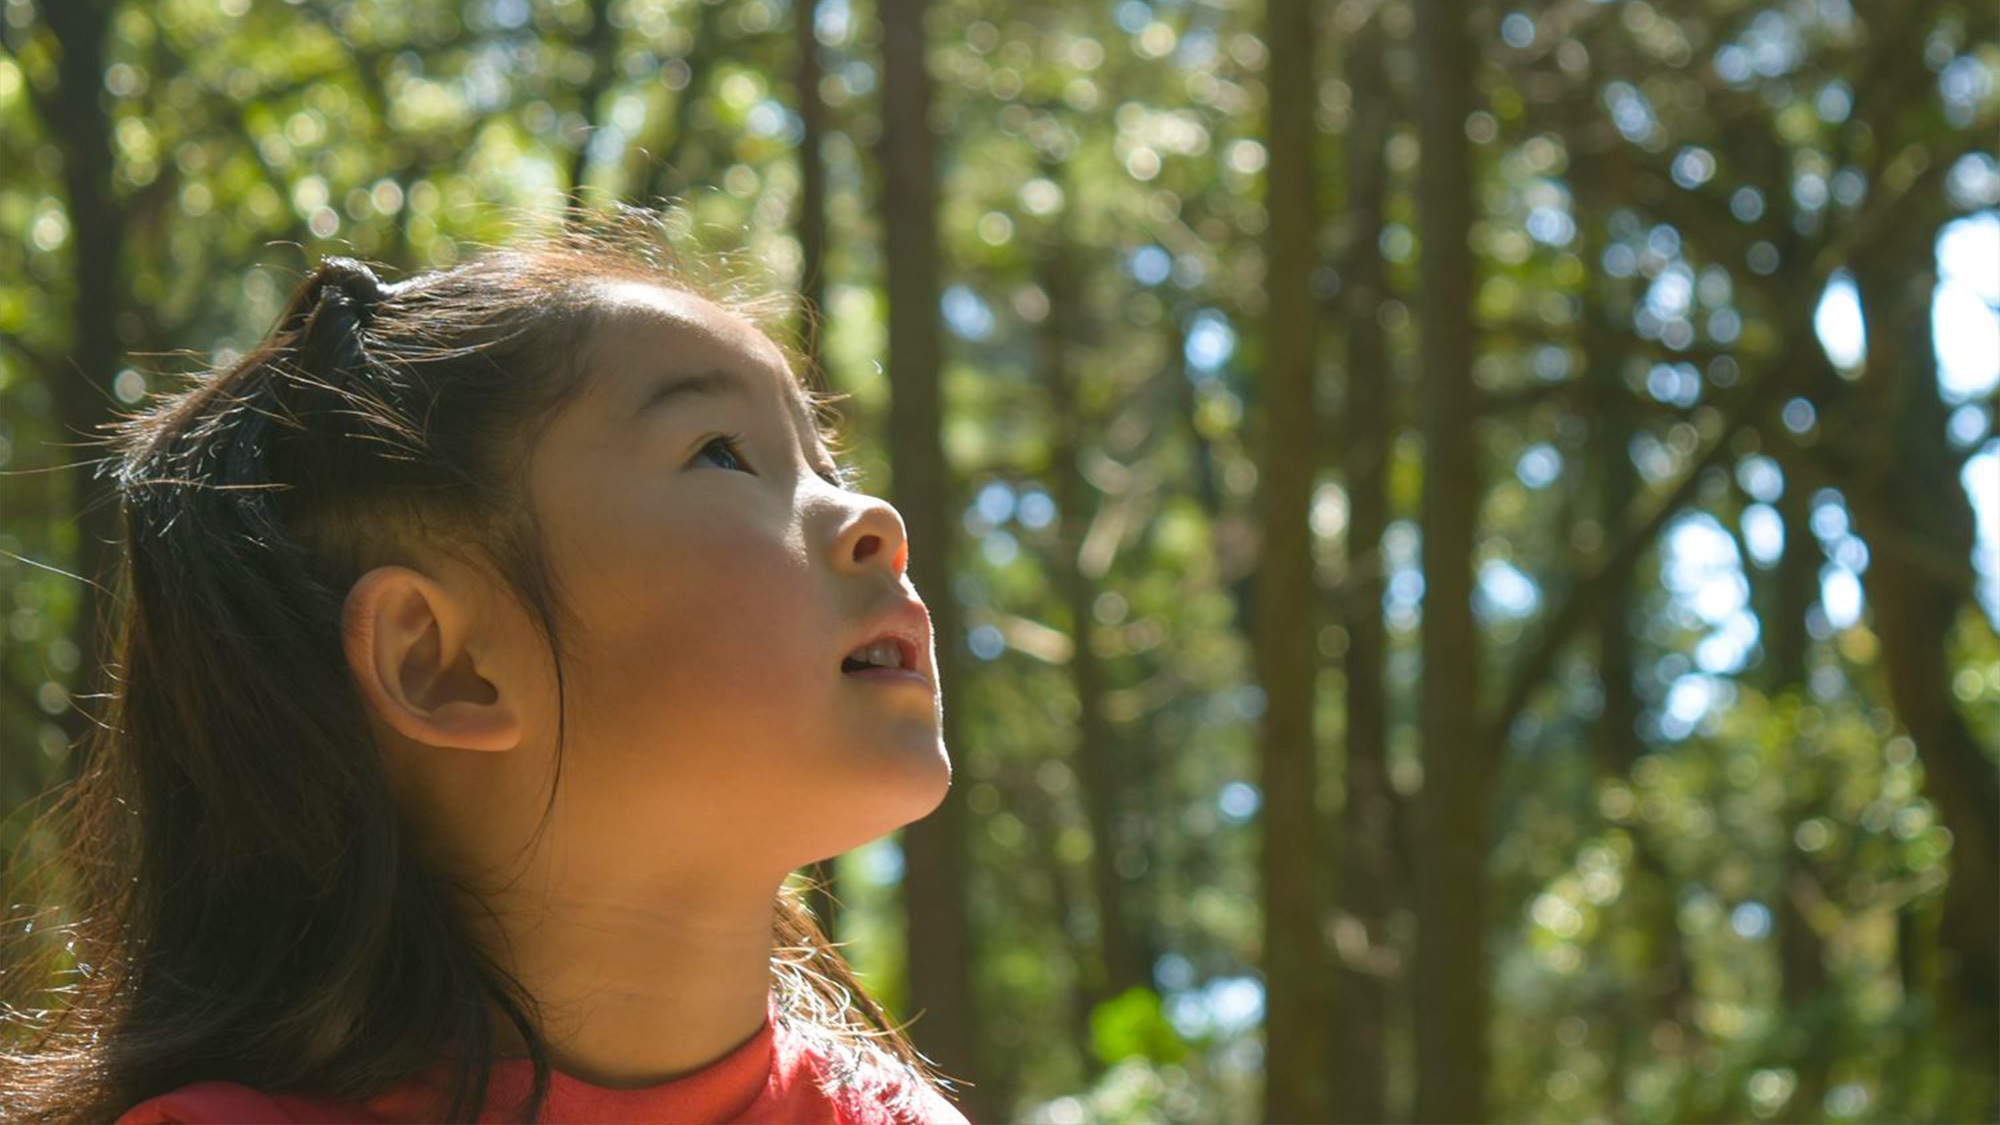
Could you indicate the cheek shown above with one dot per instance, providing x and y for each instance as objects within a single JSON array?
[{"x": 708, "y": 645}]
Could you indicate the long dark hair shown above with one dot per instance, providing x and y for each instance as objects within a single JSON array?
[{"x": 241, "y": 900}]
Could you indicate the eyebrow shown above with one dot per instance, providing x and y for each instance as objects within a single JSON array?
[
  {"x": 711, "y": 382},
  {"x": 715, "y": 382}
]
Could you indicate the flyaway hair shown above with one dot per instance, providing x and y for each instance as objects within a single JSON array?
[{"x": 236, "y": 897}]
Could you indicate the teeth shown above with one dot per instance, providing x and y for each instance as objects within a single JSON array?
[{"x": 886, "y": 654}]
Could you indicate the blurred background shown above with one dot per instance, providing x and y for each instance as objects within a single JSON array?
[{"x": 1465, "y": 537}]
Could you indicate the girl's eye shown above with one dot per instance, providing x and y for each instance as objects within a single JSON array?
[{"x": 733, "y": 443}]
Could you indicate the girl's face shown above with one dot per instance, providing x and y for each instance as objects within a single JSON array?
[{"x": 719, "y": 579}]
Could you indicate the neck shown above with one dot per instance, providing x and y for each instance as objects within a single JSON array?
[{"x": 639, "y": 989}]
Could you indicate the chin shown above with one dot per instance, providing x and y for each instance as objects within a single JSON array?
[
  {"x": 883, "y": 802},
  {"x": 941, "y": 783},
  {"x": 920, "y": 785}
]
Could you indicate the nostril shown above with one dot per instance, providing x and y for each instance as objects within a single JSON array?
[{"x": 868, "y": 545}]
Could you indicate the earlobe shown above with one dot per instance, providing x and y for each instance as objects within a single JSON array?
[{"x": 410, "y": 647}]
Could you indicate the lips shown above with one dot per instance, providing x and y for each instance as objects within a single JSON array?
[{"x": 907, "y": 625}]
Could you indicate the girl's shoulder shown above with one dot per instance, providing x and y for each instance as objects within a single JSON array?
[
  {"x": 227, "y": 1103},
  {"x": 859, "y": 1086},
  {"x": 902, "y": 1099}
]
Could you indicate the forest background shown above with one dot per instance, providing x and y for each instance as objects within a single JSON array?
[{"x": 1465, "y": 537}]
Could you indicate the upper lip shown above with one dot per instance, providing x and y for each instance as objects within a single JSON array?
[{"x": 908, "y": 624}]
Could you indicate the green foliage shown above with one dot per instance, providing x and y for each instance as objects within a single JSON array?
[
  {"x": 1639, "y": 871},
  {"x": 1131, "y": 1024}
]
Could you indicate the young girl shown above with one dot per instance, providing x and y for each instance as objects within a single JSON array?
[{"x": 494, "y": 644}]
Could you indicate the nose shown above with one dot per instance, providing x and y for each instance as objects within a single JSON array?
[{"x": 874, "y": 536}]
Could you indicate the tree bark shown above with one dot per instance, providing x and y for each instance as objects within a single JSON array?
[
  {"x": 1899, "y": 476},
  {"x": 810, "y": 223},
  {"x": 1908, "y": 504},
  {"x": 663, "y": 176},
  {"x": 1615, "y": 741},
  {"x": 81, "y": 386},
  {"x": 1802, "y": 969},
  {"x": 1040, "y": 817},
  {"x": 1295, "y": 969},
  {"x": 601, "y": 44},
  {"x": 1451, "y": 974},
  {"x": 1099, "y": 771},
  {"x": 940, "y": 954},
  {"x": 1367, "y": 875}
]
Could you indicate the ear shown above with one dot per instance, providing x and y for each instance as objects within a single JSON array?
[{"x": 411, "y": 644}]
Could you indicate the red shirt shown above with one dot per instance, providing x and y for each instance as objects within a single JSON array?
[{"x": 770, "y": 1080}]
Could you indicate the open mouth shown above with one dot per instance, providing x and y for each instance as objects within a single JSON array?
[{"x": 881, "y": 654}]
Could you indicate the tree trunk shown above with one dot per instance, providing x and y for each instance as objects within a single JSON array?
[
  {"x": 1099, "y": 771},
  {"x": 1909, "y": 506},
  {"x": 1040, "y": 817},
  {"x": 1295, "y": 969},
  {"x": 81, "y": 383},
  {"x": 1801, "y": 954},
  {"x": 811, "y": 222},
  {"x": 663, "y": 176},
  {"x": 1795, "y": 589},
  {"x": 1367, "y": 875},
  {"x": 1899, "y": 476},
  {"x": 1615, "y": 737},
  {"x": 1451, "y": 975},
  {"x": 811, "y": 226},
  {"x": 601, "y": 44},
  {"x": 940, "y": 955}
]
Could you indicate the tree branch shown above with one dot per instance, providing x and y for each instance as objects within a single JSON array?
[{"x": 1751, "y": 400}]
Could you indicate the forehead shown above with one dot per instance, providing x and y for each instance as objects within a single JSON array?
[{"x": 648, "y": 333}]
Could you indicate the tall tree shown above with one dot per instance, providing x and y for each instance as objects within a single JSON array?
[
  {"x": 1611, "y": 487},
  {"x": 1909, "y": 507},
  {"x": 1900, "y": 479},
  {"x": 1802, "y": 972},
  {"x": 660, "y": 173},
  {"x": 1286, "y": 598},
  {"x": 599, "y": 44},
  {"x": 78, "y": 118},
  {"x": 810, "y": 223},
  {"x": 940, "y": 947},
  {"x": 1099, "y": 769},
  {"x": 1451, "y": 975},
  {"x": 1366, "y": 879}
]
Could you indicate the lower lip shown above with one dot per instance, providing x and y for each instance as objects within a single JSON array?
[{"x": 890, "y": 676}]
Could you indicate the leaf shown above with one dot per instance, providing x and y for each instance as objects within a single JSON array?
[{"x": 1132, "y": 1024}]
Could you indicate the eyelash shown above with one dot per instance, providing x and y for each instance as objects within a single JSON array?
[
  {"x": 840, "y": 476},
  {"x": 732, "y": 442}
]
